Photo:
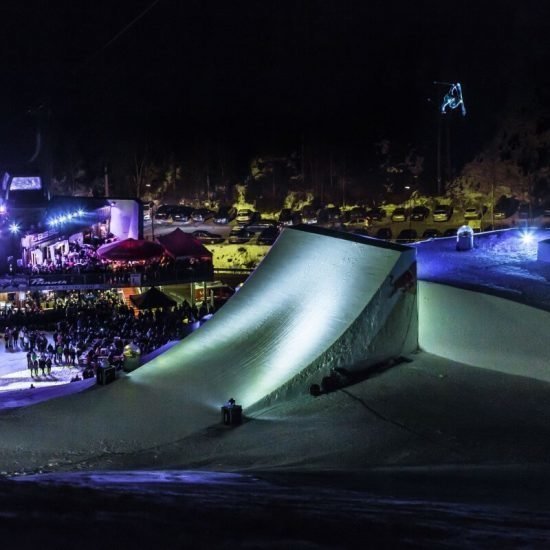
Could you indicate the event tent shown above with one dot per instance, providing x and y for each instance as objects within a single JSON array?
[
  {"x": 182, "y": 245},
  {"x": 151, "y": 299},
  {"x": 129, "y": 250}
]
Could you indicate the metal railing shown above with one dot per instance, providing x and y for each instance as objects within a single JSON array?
[{"x": 104, "y": 280}]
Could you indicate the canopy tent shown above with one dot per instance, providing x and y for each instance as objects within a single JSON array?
[
  {"x": 130, "y": 250},
  {"x": 151, "y": 299},
  {"x": 181, "y": 245}
]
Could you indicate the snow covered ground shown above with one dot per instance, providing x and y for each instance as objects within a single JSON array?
[
  {"x": 502, "y": 263},
  {"x": 424, "y": 452}
]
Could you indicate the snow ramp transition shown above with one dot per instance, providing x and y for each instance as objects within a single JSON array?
[{"x": 320, "y": 299}]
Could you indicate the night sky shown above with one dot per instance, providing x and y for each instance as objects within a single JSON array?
[{"x": 261, "y": 75}]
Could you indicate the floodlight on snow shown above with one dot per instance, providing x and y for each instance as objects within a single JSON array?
[{"x": 527, "y": 237}]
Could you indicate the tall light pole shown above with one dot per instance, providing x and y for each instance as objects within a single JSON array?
[
  {"x": 409, "y": 203},
  {"x": 453, "y": 99},
  {"x": 152, "y": 205}
]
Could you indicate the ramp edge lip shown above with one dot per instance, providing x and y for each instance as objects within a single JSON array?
[{"x": 349, "y": 237}]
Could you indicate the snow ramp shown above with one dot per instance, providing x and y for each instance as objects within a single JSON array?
[{"x": 319, "y": 299}]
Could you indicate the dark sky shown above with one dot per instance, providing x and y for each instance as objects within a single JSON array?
[{"x": 260, "y": 74}]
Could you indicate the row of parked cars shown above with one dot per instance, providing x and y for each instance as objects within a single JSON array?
[
  {"x": 169, "y": 213},
  {"x": 441, "y": 213},
  {"x": 361, "y": 215},
  {"x": 240, "y": 234},
  {"x": 444, "y": 212},
  {"x": 248, "y": 224}
]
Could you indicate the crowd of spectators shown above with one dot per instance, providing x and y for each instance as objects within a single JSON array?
[
  {"x": 83, "y": 260},
  {"x": 93, "y": 329}
]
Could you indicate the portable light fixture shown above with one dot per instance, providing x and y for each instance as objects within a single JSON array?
[{"x": 527, "y": 237}]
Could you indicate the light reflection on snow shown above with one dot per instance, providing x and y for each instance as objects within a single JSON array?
[
  {"x": 141, "y": 477},
  {"x": 22, "y": 380},
  {"x": 284, "y": 315}
]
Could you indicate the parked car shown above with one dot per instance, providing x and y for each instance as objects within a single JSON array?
[
  {"x": 181, "y": 214},
  {"x": 246, "y": 216},
  {"x": 451, "y": 232},
  {"x": 147, "y": 212},
  {"x": 499, "y": 214},
  {"x": 309, "y": 214},
  {"x": 289, "y": 217},
  {"x": 399, "y": 215},
  {"x": 240, "y": 235},
  {"x": 407, "y": 236},
  {"x": 431, "y": 234},
  {"x": 163, "y": 215},
  {"x": 420, "y": 213},
  {"x": 260, "y": 225},
  {"x": 201, "y": 215},
  {"x": 357, "y": 223},
  {"x": 356, "y": 213},
  {"x": 376, "y": 214},
  {"x": 384, "y": 233},
  {"x": 442, "y": 213},
  {"x": 472, "y": 213},
  {"x": 208, "y": 238},
  {"x": 331, "y": 214},
  {"x": 268, "y": 235},
  {"x": 225, "y": 214}
]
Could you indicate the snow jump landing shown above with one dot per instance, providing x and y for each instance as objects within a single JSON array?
[{"x": 320, "y": 299}]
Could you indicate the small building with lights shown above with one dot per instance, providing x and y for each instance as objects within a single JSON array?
[{"x": 47, "y": 243}]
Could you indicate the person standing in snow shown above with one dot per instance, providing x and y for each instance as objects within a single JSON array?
[
  {"x": 42, "y": 364},
  {"x": 30, "y": 363},
  {"x": 35, "y": 367}
]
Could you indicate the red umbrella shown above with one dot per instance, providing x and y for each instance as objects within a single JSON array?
[{"x": 130, "y": 250}]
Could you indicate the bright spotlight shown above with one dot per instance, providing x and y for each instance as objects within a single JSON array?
[
  {"x": 527, "y": 237},
  {"x": 14, "y": 228},
  {"x": 80, "y": 212}
]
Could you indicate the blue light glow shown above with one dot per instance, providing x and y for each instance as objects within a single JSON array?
[
  {"x": 527, "y": 237},
  {"x": 453, "y": 99},
  {"x": 14, "y": 228},
  {"x": 58, "y": 220},
  {"x": 28, "y": 183}
]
